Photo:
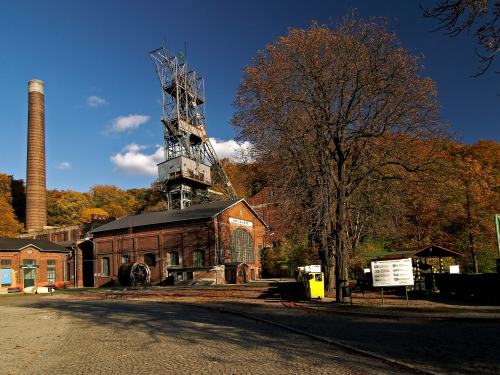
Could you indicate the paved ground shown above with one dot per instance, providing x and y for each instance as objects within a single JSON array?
[
  {"x": 164, "y": 330},
  {"x": 131, "y": 337}
]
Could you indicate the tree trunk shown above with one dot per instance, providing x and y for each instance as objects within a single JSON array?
[
  {"x": 341, "y": 270},
  {"x": 329, "y": 268},
  {"x": 469, "y": 229}
]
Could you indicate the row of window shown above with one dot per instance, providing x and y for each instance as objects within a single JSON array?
[{"x": 150, "y": 260}]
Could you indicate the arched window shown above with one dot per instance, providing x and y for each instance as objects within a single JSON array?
[
  {"x": 241, "y": 246},
  {"x": 150, "y": 260},
  {"x": 199, "y": 258},
  {"x": 173, "y": 258}
]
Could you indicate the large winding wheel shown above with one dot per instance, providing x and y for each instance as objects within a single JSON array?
[{"x": 134, "y": 274}]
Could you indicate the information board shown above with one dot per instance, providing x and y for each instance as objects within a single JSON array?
[{"x": 394, "y": 272}]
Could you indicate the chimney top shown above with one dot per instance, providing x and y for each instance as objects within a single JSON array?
[{"x": 35, "y": 85}]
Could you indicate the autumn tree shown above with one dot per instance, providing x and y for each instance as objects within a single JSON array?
[
  {"x": 65, "y": 207},
  {"x": 9, "y": 225},
  {"x": 330, "y": 109},
  {"x": 473, "y": 200},
  {"x": 246, "y": 176},
  {"x": 113, "y": 200},
  {"x": 477, "y": 18}
]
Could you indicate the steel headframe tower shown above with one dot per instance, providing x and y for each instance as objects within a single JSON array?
[{"x": 191, "y": 172}]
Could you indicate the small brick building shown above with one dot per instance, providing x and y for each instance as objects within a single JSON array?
[
  {"x": 50, "y": 258},
  {"x": 79, "y": 264},
  {"x": 219, "y": 242}
]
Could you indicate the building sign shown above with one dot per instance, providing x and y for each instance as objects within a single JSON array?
[
  {"x": 394, "y": 272},
  {"x": 240, "y": 222},
  {"x": 29, "y": 266}
]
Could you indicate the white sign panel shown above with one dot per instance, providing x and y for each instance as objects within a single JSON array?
[
  {"x": 241, "y": 222},
  {"x": 394, "y": 272}
]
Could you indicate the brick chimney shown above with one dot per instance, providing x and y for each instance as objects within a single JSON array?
[{"x": 36, "y": 200}]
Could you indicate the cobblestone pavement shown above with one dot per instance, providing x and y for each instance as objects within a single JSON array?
[
  {"x": 88, "y": 336},
  {"x": 146, "y": 331}
]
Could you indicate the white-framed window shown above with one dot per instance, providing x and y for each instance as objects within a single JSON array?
[{"x": 51, "y": 271}]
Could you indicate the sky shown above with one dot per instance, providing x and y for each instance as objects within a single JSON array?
[{"x": 103, "y": 98}]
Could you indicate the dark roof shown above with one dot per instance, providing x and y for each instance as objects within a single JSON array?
[
  {"x": 17, "y": 244},
  {"x": 427, "y": 251},
  {"x": 195, "y": 212}
]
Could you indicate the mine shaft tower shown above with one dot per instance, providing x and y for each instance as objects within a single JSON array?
[{"x": 191, "y": 172}]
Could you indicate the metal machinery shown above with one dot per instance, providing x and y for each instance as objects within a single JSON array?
[{"x": 191, "y": 172}]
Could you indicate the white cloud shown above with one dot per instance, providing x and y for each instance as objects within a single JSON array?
[
  {"x": 227, "y": 149},
  {"x": 63, "y": 165},
  {"x": 133, "y": 161},
  {"x": 126, "y": 124},
  {"x": 95, "y": 101},
  {"x": 130, "y": 161}
]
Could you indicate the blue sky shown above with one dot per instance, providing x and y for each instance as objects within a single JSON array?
[{"x": 103, "y": 99}]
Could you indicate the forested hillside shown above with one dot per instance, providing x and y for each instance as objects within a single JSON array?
[{"x": 453, "y": 205}]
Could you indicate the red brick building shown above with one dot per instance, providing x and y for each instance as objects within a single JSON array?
[
  {"x": 265, "y": 204},
  {"x": 51, "y": 259},
  {"x": 219, "y": 242},
  {"x": 80, "y": 263}
]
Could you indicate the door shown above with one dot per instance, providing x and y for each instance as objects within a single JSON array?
[{"x": 29, "y": 277}]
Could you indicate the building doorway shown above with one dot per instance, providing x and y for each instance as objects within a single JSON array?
[{"x": 29, "y": 277}]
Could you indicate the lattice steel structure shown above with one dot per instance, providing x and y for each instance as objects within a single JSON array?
[{"x": 191, "y": 172}]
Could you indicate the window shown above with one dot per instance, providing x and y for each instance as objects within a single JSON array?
[
  {"x": 260, "y": 254},
  {"x": 189, "y": 276},
  {"x": 5, "y": 262},
  {"x": 221, "y": 253},
  {"x": 199, "y": 258},
  {"x": 125, "y": 259},
  {"x": 173, "y": 258},
  {"x": 29, "y": 262},
  {"x": 68, "y": 272},
  {"x": 250, "y": 250},
  {"x": 105, "y": 267},
  {"x": 238, "y": 245},
  {"x": 51, "y": 271},
  {"x": 241, "y": 246},
  {"x": 232, "y": 248},
  {"x": 150, "y": 260},
  {"x": 245, "y": 245},
  {"x": 179, "y": 276}
]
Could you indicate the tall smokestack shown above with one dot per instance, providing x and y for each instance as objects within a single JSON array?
[{"x": 36, "y": 199}]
